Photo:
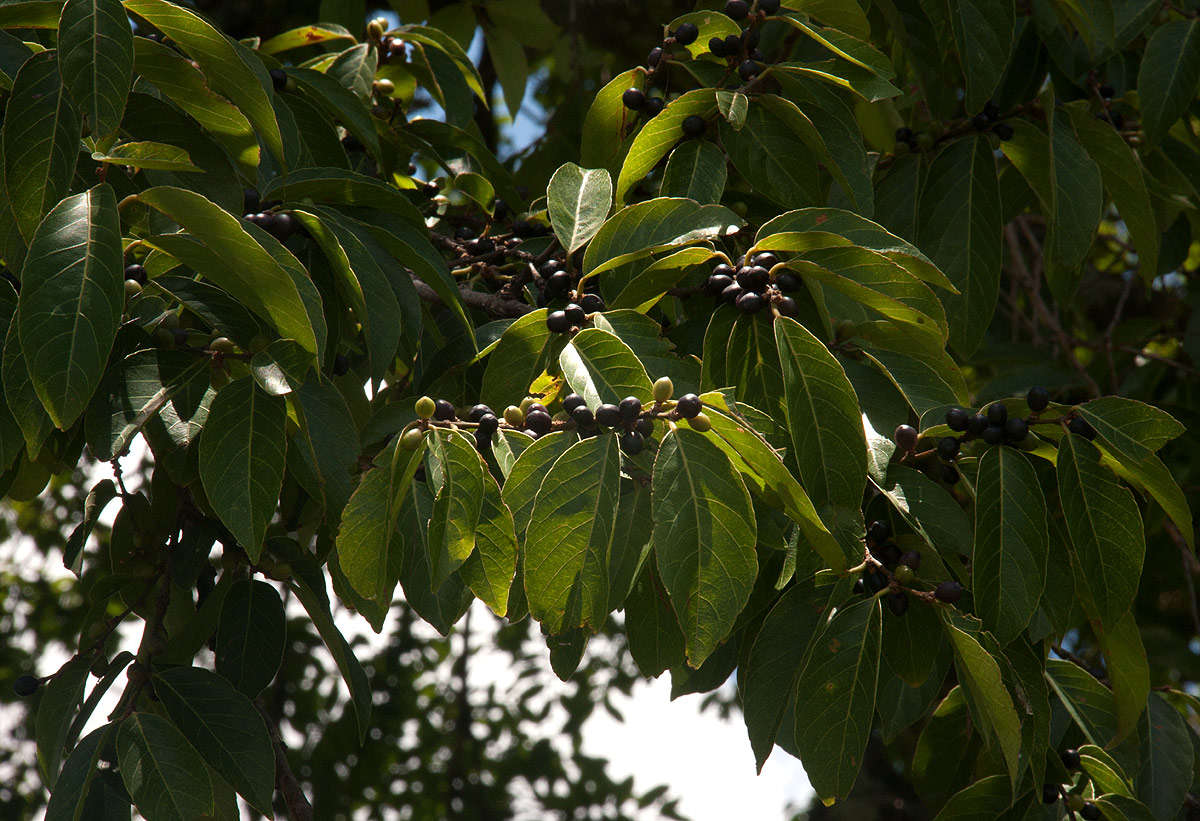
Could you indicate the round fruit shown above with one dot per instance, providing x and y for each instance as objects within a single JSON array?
[
  {"x": 874, "y": 580},
  {"x": 558, "y": 322},
  {"x": 724, "y": 269},
  {"x": 384, "y": 86},
  {"x": 425, "y": 407},
  {"x": 478, "y": 412},
  {"x": 654, "y": 57},
  {"x": 911, "y": 559},
  {"x": 1080, "y": 427},
  {"x": 531, "y": 405},
  {"x": 753, "y": 278},
  {"x": 716, "y": 45},
  {"x": 997, "y": 414},
  {"x": 787, "y": 282},
  {"x": 549, "y": 268},
  {"x": 693, "y": 126},
  {"x": 483, "y": 441},
  {"x": 631, "y": 408},
  {"x": 887, "y": 553},
  {"x": 904, "y": 574},
  {"x": 572, "y": 401},
  {"x": 787, "y": 306},
  {"x": 654, "y": 107},
  {"x": 731, "y": 292},
  {"x": 222, "y": 344},
  {"x": 687, "y": 33},
  {"x": 608, "y": 415},
  {"x": 957, "y": 419},
  {"x": 947, "y": 448},
  {"x": 768, "y": 6},
  {"x": 1049, "y": 793},
  {"x": 688, "y": 405},
  {"x": 1038, "y": 399},
  {"x": 582, "y": 417},
  {"x": 645, "y": 426},
  {"x": 663, "y": 389},
  {"x": 411, "y": 440},
  {"x": 897, "y": 602},
  {"x": 341, "y": 365},
  {"x": 1015, "y": 430},
  {"x": 1070, "y": 759},
  {"x": 859, "y": 587},
  {"x": 949, "y": 474},
  {"x": 749, "y": 302},
  {"x": 748, "y": 70},
  {"x": 733, "y": 45},
  {"x": 132, "y": 288},
  {"x": 764, "y": 259},
  {"x": 634, "y": 99},
  {"x": 737, "y": 9},
  {"x": 538, "y": 421},
  {"x": 717, "y": 283},
  {"x": 488, "y": 424},
  {"x": 1004, "y": 131},
  {"x": 878, "y": 531},
  {"x": 700, "y": 422},
  {"x": 632, "y": 442},
  {"x": 26, "y": 685},
  {"x": 993, "y": 434},
  {"x": 278, "y": 78},
  {"x": 137, "y": 272},
  {"x": 443, "y": 410},
  {"x": 591, "y": 303},
  {"x": 1089, "y": 811},
  {"x": 514, "y": 416},
  {"x": 905, "y": 437},
  {"x": 575, "y": 314},
  {"x": 281, "y": 226},
  {"x": 948, "y": 592},
  {"x": 977, "y": 424}
]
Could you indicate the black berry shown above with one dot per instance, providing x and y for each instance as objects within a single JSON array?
[
  {"x": 632, "y": 442},
  {"x": 768, "y": 6},
  {"x": 1015, "y": 430},
  {"x": 904, "y": 134},
  {"x": 136, "y": 272},
  {"x": 557, "y": 322},
  {"x": 654, "y": 106},
  {"x": 549, "y": 268},
  {"x": 717, "y": 46},
  {"x": 765, "y": 259},
  {"x": 631, "y": 408},
  {"x": 281, "y": 226},
  {"x": 731, "y": 292},
  {"x": 733, "y": 45},
  {"x": 749, "y": 302},
  {"x": 737, "y": 9},
  {"x": 693, "y": 126},
  {"x": 634, "y": 99},
  {"x": 575, "y": 313},
  {"x": 1038, "y": 399},
  {"x": 717, "y": 283},
  {"x": 879, "y": 531},
  {"x": 1049, "y": 793},
  {"x": 688, "y": 405},
  {"x": 1106, "y": 91},
  {"x": 483, "y": 441},
  {"x": 443, "y": 410},
  {"x": 1070, "y": 759},
  {"x": 572, "y": 401},
  {"x": 608, "y": 415},
  {"x": 278, "y": 78},
  {"x": 1079, "y": 427},
  {"x": 957, "y": 419},
  {"x": 997, "y": 414},
  {"x": 911, "y": 559},
  {"x": 591, "y": 303},
  {"x": 753, "y": 278},
  {"x": 1090, "y": 812},
  {"x": 1004, "y": 131},
  {"x": 686, "y": 34},
  {"x": 489, "y": 423},
  {"x": 341, "y": 365},
  {"x": 538, "y": 421},
  {"x": 787, "y": 306},
  {"x": 859, "y": 587},
  {"x": 558, "y": 284},
  {"x": 654, "y": 57},
  {"x": 948, "y": 592},
  {"x": 991, "y": 111},
  {"x": 947, "y": 448},
  {"x": 478, "y": 412},
  {"x": 874, "y": 581},
  {"x": 887, "y": 553},
  {"x": 905, "y": 437},
  {"x": 582, "y": 417},
  {"x": 748, "y": 70},
  {"x": 980, "y": 122},
  {"x": 787, "y": 282},
  {"x": 26, "y": 685},
  {"x": 977, "y": 424},
  {"x": 993, "y": 434},
  {"x": 645, "y": 426}
]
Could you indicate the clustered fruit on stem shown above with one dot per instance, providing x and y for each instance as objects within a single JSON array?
[
  {"x": 630, "y": 419},
  {"x": 1074, "y": 799},
  {"x": 760, "y": 282},
  {"x": 890, "y": 573}
]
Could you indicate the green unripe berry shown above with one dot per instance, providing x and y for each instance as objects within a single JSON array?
[
  {"x": 663, "y": 389},
  {"x": 700, "y": 422},
  {"x": 376, "y": 28},
  {"x": 412, "y": 438},
  {"x": 525, "y": 403},
  {"x": 385, "y": 87},
  {"x": 425, "y": 407},
  {"x": 132, "y": 288},
  {"x": 222, "y": 344},
  {"x": 514, "y": 416},
  {"x": 904, "y": 574}
]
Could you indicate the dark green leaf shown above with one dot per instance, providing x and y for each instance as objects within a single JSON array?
[
  {"x": 658, "y": 135},
  {"x": 165, "y": 776},
  {"x": 983, "y": 33},
  {"x": 695, "y": 170},
  {"x": 95, "y": 46},
  {"x": 647, "y": 227},
  {"x": 990, "y": 703},
  {"x": 1168, "y": 76},
  {"x": 601, "y": 368},
  {"x": 59, "y": 702},
  {"x": 250, "y": 636},
  {"x": 1166, "y": 751}
]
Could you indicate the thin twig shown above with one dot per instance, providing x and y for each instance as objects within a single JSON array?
[
  {"x": 493, "y": 304},
  {"x": 294, "y": 799}
]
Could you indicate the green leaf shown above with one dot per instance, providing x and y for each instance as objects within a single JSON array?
[
  {"x": 488, "y": 571},
  {"x": 235, "y": 261},
  {"x": 223, "y": 64},
  {"x": 251, "y": 636},
  {"x": 1123, "y": 808},
  {"x": 862, "y": 82},
  {"x": 776, "y": 660},
  {"x": 1128, "y": 670},
  {"x": 316, "y": 602},
  {"x": 71, "y": 301},
  {"x": 149, "y": 155},
  {"x": 601, "y": 368},
  {"x": 38, "y": 14},
  {"x": 578, "y": 200},
  {"x": 823, "y": 418},
  {"x": 932, "y": 512},
  {"x": 763, "y": 469},
  {"x": 339, "y": 104},
  {"x": 1011, "y": 543},
  {"x": 984, "y": 800},
  {"x": 512, "y": 67},
  {"x": 960, "y": 226},
  {"x": 1168, "y": 75},
  {"x": 990, "y": 703},
  {"x": 655, "y": 640},
  {"x": 570, "y": 535},
  {"x": 1088, "y": 702},
  {"x": 695, "y": 170},
  {"x": 1126, "y": 184},
  {"x": 838, "y": 139},
  {"x": 1103, "y": 770},
  {"x": 1152, "y": 476},
  {"x": 370, "y": 519},
  {"x": 224, "y": 727},
  {"x": 835, "y": 699},
  {"x": 97, "y": 499},
  {"x": 917, "y": 364},
  {"x": 710, "y": 24},
  {"x": 305, "y": 36},
  {"x": 645, "y": 290},
  {"x": 165, "y": 776},
  {"x": 1166, "y": 751},
  {"x": 658, "y": 136},
  {"x": 242, "y": 455},
  {"x": 342, "y": 187},
  {"x": 446, "y": 44},
  {"x": 733, "y": 105},
  {"x": 983, "y": 33},
  {"x": 704, "y": 536},
  {"x": 655, "y": 225},
  {"x": 1133, "y": 430},
  {"x": 329, "y": 426},
  {"x": 95, "y": 45},
  {"x": 57, "y": 707},
  {"x": 773, "y": 153},
  {"x": 608, "y": 122},
  {"x": 525, "y": 350},
  {"x": 454, "y": 468},
  {"x": 80, "y": 793},
  {"x": 21, "y": 397},
  {"x": 40, "y": 142},
  {"x": 1105, "y": 527}
]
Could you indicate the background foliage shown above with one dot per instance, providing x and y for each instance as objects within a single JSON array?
[{"x": 250, "y": 256}]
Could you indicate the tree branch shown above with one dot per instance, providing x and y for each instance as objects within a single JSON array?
[
  {"x": 298, "y": 808},
  {"x": 494, "y": 304}
]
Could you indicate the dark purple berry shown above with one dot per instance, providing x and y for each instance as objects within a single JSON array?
[
  {"x": 957, "y": 419},
  {"x": 686, "y": 34},
  {"x": 631, "y": 408},
  {"x": 737, "y": 9},
  {"x": 608, "y": 415},
  {"x": 591, "y": 303},
  {"x": 1070, "y": 759},
  {"x": 717, "y": 46},
  {"x": 654, "y": 57},
  {"x": 341, "y": 364},
  {"x": 753, "y": 278},
  {"x": 1038, "y": 399},
  {"x": 478, "y": 412},
  {"x": 911, "y": 559},
  {"x": 1049, "y": 793},
  {"x": 693, "y": 126},
  {"x": 878, "y": 531},
  {"x": 557, "y": 322},
  {"x": 905, "y": 437},
  {"x": 993, "y": 434},
  {"x": 997, "y": 413},
  {"x": 489, "y": 423},
  {"x": 717, "y": 283},
  {"x": 949, "y": 474},
  {"x": 26, "y": 685},
  {"x": 278, "y": 78},
  {"x": 1015, "y": 430},
  {"x": 654, "y": 106},
  {"x": 765, "y": 259},
  {"x": 787, "y": 282},
  {"x": 688, "y": 405},
  {"x": 733, "y": 45},
  {"x": 977, "y": 424},
  {"x": 897, "y": 602},
  {"x": 634, "y": 99},
  {"x": 137, "y": 272},
  {"x": 582, "y": 417},
  {"x": 538, "y": 421},
  {"x": 749, "y": 303},
  {"x": 748, "y": 70},
  {"x": 443, "y": 410},
  {"x": 572, "y": 401},
  {"x": 787, "y": 306},
  {"x": 645, "y": 426},
  {"x": 575, "y": 313},
  {"x": 948, "y": 592},
  {"x": 732, "y": 292},
  {"x": 947, "y": 448},
  {"x": 1080, "y": 427},
  {"x": 1090, "y": 812},
  {"x": 632, "y": 442},
  {"x": 1004, "y": 131}
]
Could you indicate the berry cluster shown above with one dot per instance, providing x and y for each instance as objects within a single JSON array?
[
  {"x": 630, "y": 419},
  {"x": 987, "y": 120},
  {"x": 637, "y": 100},
  {"x": 755, "y": 285},
  {"x": 1076, "y": 803},
  {"x": 557, "y": 284},
  {"x": 895, "y": 568}
]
